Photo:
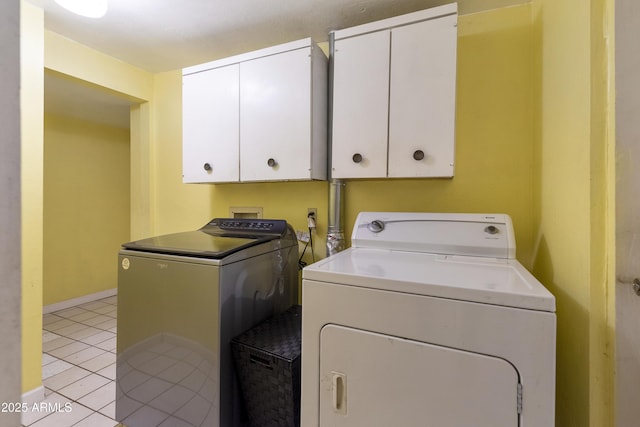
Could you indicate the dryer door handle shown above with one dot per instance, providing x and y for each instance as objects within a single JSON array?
[{"x": 339, "y": 389}]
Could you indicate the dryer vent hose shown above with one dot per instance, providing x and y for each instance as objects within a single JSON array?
[{"x": 335, "y": 228}]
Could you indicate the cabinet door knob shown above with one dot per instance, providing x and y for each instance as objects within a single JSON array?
[
  {"x": 271, "y": 163},
  {"x": 418, "y": 155},
  {"x": 207, "y": 167},
  {"x": 357, "y": 158}
]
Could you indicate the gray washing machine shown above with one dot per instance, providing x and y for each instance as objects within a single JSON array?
[{"x": 181, "y": 299}]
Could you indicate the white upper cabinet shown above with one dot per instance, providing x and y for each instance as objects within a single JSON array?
[
  {"x": 275, "y": 100},
  {"x": 394, "y": 97},
  {"x": 210, "y": 125},
  {"x": 278, "y": 114},
  {"x": 360, "y": 106},
  {"x": 422, "y": 93}
]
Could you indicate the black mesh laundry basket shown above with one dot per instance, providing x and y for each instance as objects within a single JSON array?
[{"x": 268, "y": 365}]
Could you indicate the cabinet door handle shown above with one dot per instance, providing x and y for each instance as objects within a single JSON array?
[
  {"x": 357, "y": 158},
  {"x": 418, "y": 155},
  {"x": 271, "y": 163},
  {"x": 207, "y": 167}
]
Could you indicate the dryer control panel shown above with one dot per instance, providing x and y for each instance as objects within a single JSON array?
[{"x": 482, "y": 235}]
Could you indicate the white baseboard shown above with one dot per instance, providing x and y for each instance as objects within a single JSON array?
[
  {"x": 77, "y": 301},
  {"x": 33, "y": 396}
]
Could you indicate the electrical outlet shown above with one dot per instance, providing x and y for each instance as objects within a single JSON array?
[
  {"x": 303, "y": 236},
  {"x": 312, "y": 212}
]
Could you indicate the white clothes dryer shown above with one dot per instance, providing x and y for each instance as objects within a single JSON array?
[{"x": 427, "y": 320}]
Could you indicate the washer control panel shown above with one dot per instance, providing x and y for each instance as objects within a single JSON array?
[{"x": 246, "y": 225}]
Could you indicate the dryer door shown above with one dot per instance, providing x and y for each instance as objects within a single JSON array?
[{"x": 369, "y": 379}]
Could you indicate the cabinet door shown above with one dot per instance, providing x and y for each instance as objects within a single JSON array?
[
  {"x": 210, "y": 125},
  {"x": 422, "y": 99},
  {"x": 369, "y": 379},
  {"x": 275, "y": 111},
  {"x": 360, "y": 106}
]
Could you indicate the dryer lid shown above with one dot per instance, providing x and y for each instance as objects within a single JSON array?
[
  {"x": 468, "y": 257},
  {"x": 503, "y": 282}
]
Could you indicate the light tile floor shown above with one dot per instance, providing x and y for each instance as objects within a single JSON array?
[{"x": 78, "y": 367}]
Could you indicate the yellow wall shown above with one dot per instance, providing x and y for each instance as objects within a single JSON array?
[
  {"x": 532, "y": 133},
  {"x": 42, "y": 49},
  {"x": 572, "y": 251},
  {"x": 180, "y": 207},
  {"x": 494, "y": 141},
  {"x": 31, "y": 100},
  {"x": 494, "y": 144},
  {"x": 86, "y": 206},
  {"x": 72, "y": 59},
  {"x": 531, "y": 142}
]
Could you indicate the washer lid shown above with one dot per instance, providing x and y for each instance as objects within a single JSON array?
[
  {"x": 503, "y": 282},
  {"x": 217, "y": 239}
]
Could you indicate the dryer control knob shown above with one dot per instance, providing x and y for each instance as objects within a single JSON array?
[
  {"x": 376, "y": 226},
  {"x": 492, "y": 229}
]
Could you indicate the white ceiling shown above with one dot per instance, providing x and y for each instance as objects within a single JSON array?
[{"x": 163, "y": 35}]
